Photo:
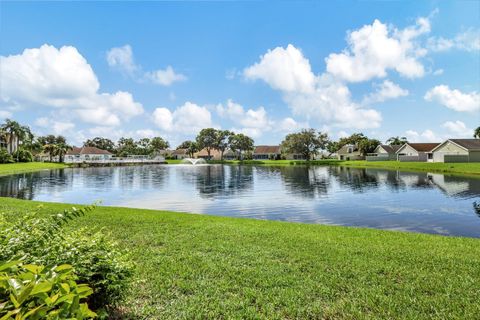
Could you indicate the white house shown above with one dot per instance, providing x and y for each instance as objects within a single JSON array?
[
  {"x": 384, "y": 152},
  {"x": 350, "y": 152},
  {"x": 87, "y": 153},
  {"x": 457, "y": 150},
  {"x": 420, "y": 152}
]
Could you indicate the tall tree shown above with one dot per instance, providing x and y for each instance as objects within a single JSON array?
[
  {"x": 396, "y": 140},
  {"x": 53, "y": 145},
  {"x": 222, "y": 143},
  {"x": 143, "y": 146},
  {"x": 126, "y": 147},
  {"x": 101, "y": 143},
  {"x": 12, "y": 129},
  {"x": 157, "y": 144},
  {"x": 207, "y": 139},
  {"x": 368, "y": 145},
  {"x": 190, "y": 146},
  {"x": 476, "y": 133},
  {"x": 61, "y": 150},
  {"x": 306, "y": 142},
  {"x": 240, "y": 143},
  {"x": 354, "y": 139}
]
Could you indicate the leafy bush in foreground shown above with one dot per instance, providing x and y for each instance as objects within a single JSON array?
[
  {"x": 22, "y": 155},
  {"x": 29, "y": 291},
  {"x": 5, "y": 157},
  {"x": 44, "y": 241}
]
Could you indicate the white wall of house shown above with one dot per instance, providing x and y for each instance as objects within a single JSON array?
[
  {"x": 448, "y": 148},
  {"x": 83, "y": 157},
  {"x": 407, "y": 150}
]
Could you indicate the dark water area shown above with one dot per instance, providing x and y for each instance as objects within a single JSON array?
[{"x": 374, "y": 198}]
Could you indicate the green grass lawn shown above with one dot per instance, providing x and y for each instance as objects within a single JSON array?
[
  {"x": 463, "y": 168},
  {"x": 12, "y": 168},
  {"x": 460, "y": 168},
  {"x": 205, "y": 267}
]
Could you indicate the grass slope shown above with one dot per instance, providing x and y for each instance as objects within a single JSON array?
[
  {"x": 460, "y": 168},
  {"x": 206, "y": 267},
  {"x": 12, "y": 168},
  {"x": 463, "y": 168}
]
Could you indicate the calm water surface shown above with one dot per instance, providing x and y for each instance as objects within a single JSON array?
[{"x": 420, "y": 202}]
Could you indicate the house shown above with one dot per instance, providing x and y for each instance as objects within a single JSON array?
[
  {"x": 383, "y": 152},
  {"x": 10, "y": 144},
  {"x": 457, "y": 150},
  {"x": 350, "y": 152},
  {"x": 179, "y": 154},
  {"x": 87, "y": 153},
  {"x": 214, "y": 154},
  {"x": 267, "y": 152},
  {"x": 416, "y": 152}
]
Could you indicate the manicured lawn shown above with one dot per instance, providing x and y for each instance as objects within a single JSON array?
[
  {"x": 464, "y": 168},
  {"x": 205, "y": 267},
  {"x": 12, "y": 168}
]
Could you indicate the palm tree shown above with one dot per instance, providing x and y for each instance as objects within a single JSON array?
[
  {"x": 61, "y": 149},
  {"x": 51, "y": 150},
  {"x": 476, "y": 133},
  {"x": 397, "y": 140},
  {"x": 12, "y": 129}
]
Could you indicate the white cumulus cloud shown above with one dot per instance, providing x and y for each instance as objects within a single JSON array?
[
  {"x": 385, "y": 91},
  {"x": 166, "y": 77},
  {"x": 374, "y": 49},
  {"x": 458, "y": 129},
  {"x": 468, "y": 40},
  {"x": 454, "y": 99},
  {"x": 121, "y": 58},
  {"x": 322, "y": 98},
  {"x": 63, "y": 79},
  {"x": 56, "y": 127},
  {"x": 189, "y": 118},
  {"x": 285, "y": 69}
]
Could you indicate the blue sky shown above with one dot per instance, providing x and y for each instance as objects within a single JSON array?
[{"x": 265, "y": 68}]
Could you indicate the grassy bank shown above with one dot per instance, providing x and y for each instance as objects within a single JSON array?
[
  {"x": 12, "y": 168},
  {"x": 459, "y": 168},
  {"x": 198, "y": 266}
]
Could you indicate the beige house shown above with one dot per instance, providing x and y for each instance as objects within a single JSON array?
[
  {"x": 416, "y": 152},
  {"x": 86, "y": 154},
  {"x": 267, "y": 152},
  {"x": 11, "y": 146},
  {"x": 384, "y": 152},
  {"x": 179, "y": 154},
  {"x": 349, "y": 152},
  {"x": 457, "y": 150}
]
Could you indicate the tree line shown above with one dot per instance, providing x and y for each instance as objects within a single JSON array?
[{"x": 306, "y": 142}]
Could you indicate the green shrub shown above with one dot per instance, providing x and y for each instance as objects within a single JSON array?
[
  {"x": 44, "y": 241},
  {"x": 5, "y": 157},
  {"x": 29, "y": 291},
  {"x": 22, "y": 155}
]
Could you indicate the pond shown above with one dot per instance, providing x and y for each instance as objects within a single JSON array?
[{"x": 375, "y": 198}]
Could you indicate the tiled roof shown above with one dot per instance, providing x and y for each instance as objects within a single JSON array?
[
  {"x": 391, "y": 148},
  {"x": 267, "y": 150},
  {"x": 344, "y": 149},
  {"x": 180, "y": 151},
  {"x": 86, "y": 150},
  {"x": 423, "y": 147},
  {"x": 469, "y": 144}
]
